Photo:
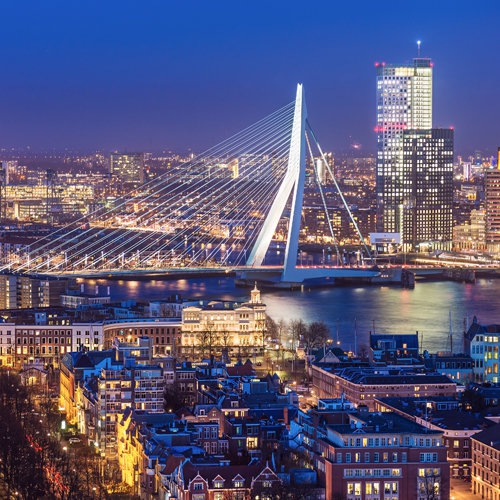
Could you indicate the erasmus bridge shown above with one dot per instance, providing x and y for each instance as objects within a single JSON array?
[{"x": 221, "y": 210}]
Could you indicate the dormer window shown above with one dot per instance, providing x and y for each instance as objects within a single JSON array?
[
  {"x": 198, "y": 486},
  {"x": 238, "y": 484},
  {"x": 218, "y": 484}
]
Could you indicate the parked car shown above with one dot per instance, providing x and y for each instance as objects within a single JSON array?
[{"x": 74, "y": 440}]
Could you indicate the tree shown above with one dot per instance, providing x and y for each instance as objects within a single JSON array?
[
  {"x": 207, "y": 338},
  {"x": 271, "y": 329},
  {"x": 298, "y": 329},
  {"x": 430, "y": 484},
  {"x": 282, "y": 329},
  {"x": 316, "y": 335}
]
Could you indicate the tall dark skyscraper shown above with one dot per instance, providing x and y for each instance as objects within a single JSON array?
[
  {"x": 414, "y": 161},
  {"x": 426, "y": 212}
]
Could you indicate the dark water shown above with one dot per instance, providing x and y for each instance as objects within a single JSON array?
[{"x": 393, "y": 310}]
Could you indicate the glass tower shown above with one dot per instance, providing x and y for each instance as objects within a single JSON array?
[{"x": 404, "y": 102}]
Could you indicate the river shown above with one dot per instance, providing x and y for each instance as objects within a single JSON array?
[{"x": 383, "y": 309}]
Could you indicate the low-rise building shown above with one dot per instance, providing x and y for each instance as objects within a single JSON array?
[
  {"x": 443, "y": 414},
  {"x": 486, "y": 463},
  {"x": 365, "y": 385},
  {"x": 482, "y": 343},
  {"x": 228, "y": 325}
]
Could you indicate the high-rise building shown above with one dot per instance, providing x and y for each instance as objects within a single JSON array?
[
  {"x": 426, "y": 211},
  {"x": 492, "y": 205},
  {"x": 414, "y": 161},
  {"x": 404, "y": 101},
  {"x": 128, "y": 167}
]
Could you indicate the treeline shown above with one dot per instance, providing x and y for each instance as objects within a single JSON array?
[
  {"x": 33, "y": 462},
  {"x": 296, "y": 333}
]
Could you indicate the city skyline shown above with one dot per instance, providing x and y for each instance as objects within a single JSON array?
[{"x": 177, "y": 77}]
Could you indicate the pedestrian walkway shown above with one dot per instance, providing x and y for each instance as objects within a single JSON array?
[{"x": 460, "y": 490}]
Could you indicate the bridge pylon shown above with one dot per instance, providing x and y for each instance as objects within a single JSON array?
[{"x": 293, "y": 182}]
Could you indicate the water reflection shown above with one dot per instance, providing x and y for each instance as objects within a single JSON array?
[{"x": 392, "y": 309}]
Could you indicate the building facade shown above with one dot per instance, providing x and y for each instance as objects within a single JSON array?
[
  {"x": 426, "y": 206},
  {"x": 492, "y": 205},
  {"x": 236, "y": 327},
  {"x": 382, "y": 456},
  {"x": 128, "y": 167},
  {"x": 404, "y": 101}
]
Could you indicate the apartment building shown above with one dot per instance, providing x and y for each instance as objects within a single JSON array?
[{"x": 382, "y": 456}]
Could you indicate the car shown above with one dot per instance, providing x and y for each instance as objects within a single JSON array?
[
  {"x": 74, "y": 440},
  {"x": 259, "y": 363}
]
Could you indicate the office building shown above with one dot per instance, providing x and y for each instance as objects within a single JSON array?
[
  {"x": 492, "y": 204},
  {"x": 128, "y": 167},
  {"x": 404, "y": 101},
  {"x": 414, "y": 161},
  {"x": 425, "y": 215}
]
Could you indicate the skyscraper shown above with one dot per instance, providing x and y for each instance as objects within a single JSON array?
[
  {"x": 405, "y": 179},
  {"x": 426, "y": 214},
  {"x": 129, "y": 167},
  {"x": 492, "y": 205}
]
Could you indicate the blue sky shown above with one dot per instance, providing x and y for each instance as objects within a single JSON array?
[{"x": 160, "y": 74}]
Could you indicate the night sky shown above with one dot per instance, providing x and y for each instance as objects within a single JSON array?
[{"x": 179, "y": 74}]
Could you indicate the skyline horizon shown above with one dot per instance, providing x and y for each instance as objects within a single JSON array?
[{"x": 153, "y": 77}]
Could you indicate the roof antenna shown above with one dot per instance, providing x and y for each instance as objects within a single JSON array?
[{"x": 418, "y": 49}]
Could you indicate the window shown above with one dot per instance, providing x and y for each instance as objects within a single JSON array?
[
  {"x": 376, "y": 457},
  {"x": 348, "y": 458},
  {"x": 456, "y": 443},
  {"x": 218, "y": 484},
  {"x": 198, "y": 486},
  {"x": 238, "y": 484}
]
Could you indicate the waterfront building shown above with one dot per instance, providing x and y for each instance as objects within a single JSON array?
[
  {"x": 227, "y": 325},
  {"x": 492, "y": 206},
  {"x": 486, "y": 463},
  {"x": 382, "y": 455},
  {"x": 362, "y": 386},
  {"x": 392, "y": 349},
  {"x": 481, "y": 342},
  {"x": 472, "y": 234},
  {"x": 404, "y": 101},
  {"x": 414, "y": 160},
  {"x": 457, "y": 367},
  {"x": 426, "y": 196},
  {"x": 128, "y": 167}
]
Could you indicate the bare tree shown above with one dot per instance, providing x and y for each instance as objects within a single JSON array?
[
  {"x": 430, "y": 484},
  {"x": 298, "y": 329},
  {"x": 316, "y": 335},
  {"x": 207, "y": 338},
  {"x": 271, "y": 328},
  {"x": 282, "y": 329}
]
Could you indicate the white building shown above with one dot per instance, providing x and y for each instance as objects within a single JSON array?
[
  {"x": 404, "y": 101},
  {"x": 482, "y": 343},
  {"x": 224, "y": 325}
]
